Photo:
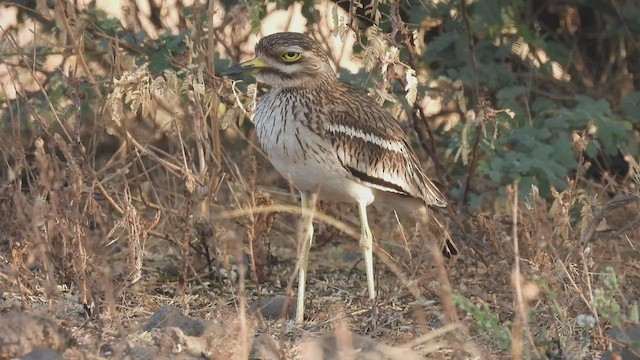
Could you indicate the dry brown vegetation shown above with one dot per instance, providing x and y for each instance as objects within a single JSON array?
[{"x": 123, "y": 190}]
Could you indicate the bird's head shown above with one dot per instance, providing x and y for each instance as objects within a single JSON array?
[{"x": 286, "y": 59}]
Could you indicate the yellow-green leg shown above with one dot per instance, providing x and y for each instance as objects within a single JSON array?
[
  {"x": 307, "y": 239},
  {"x": 366, "y": 244}
]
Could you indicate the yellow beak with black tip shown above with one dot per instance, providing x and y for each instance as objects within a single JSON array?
[{"x": 252, "y": 66}]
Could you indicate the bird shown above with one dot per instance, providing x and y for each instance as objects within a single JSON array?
[{"x": 333, "y": 142}]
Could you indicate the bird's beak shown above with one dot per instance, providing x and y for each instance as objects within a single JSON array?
[{"x": 252, "y": 66}]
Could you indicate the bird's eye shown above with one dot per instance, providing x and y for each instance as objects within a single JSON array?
[{"x": 290, "y": 56}]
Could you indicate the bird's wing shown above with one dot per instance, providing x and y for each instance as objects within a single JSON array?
[{"x": 375, "y": 151}]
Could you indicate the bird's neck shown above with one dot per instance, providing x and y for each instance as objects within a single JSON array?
[{"x": 312, "y": 83}]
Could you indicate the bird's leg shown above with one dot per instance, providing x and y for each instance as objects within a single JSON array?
[
  {"x": 366, "y": 244},
  {"x": 307, "y": 239}
]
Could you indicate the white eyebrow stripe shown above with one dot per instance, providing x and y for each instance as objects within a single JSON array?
[{"x": 391, "y": 145}]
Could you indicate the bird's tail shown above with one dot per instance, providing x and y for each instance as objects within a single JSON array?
[
  {"x": 449, "y": 248},
  {"x": 440, "y": 231}
]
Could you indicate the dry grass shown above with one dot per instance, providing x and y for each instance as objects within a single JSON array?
[{"x": 158, "y": 195}]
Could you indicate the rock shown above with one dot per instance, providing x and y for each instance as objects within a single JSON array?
[
  {"x": 169, "y": 343},
  {"x": 144, "y": 352},
  {"x": 346, "y": 345},
  {"x": 171, "y": 316},
  {"x": 168, "y": 331},
  {"x": 21, "y": 333},
  {"x": 271, "y": 307},
  {"x": 265, "y": 347},
  {"x": 42, "y": 354},
  {"x": 626, "y": 346}
]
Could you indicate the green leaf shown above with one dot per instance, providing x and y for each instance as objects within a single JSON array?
[
  {"x": 630, "y": 106},
  {"x": 442, "y": 42},
  {"x": 511, "y": 92}
]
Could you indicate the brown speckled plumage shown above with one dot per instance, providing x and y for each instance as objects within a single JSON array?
[{"x": 331, "y": 139}]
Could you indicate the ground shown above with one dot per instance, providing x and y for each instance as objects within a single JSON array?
[{"x": 112, "y": 323}]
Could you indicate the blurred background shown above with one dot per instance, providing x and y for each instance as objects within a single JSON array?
[{"x": 131, "y": 176}]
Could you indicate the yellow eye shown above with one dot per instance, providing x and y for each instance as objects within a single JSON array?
[{"x": 290, "y": 56}]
